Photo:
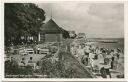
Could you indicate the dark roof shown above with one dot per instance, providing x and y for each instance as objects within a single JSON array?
[{"x": 51, "y": 27}]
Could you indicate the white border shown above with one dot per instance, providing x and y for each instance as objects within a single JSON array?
[
  {"x": 60, "y": 1},
  {"x": 126, "y": 38}
]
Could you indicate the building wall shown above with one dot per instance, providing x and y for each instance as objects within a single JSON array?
[
  {"x": 49, "y": 38},
  {"x": 42, "y": 38},
  {"x": 53, "y": 37}
]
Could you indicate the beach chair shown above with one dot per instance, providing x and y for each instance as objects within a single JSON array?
[
  {"x": 33, "y": 65},
  {"x": 96, "y": 69}
]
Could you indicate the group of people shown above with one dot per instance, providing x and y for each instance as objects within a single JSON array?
[{"x": 100, "y": 60}]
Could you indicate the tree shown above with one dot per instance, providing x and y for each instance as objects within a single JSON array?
[{"x": 22, "y": 19}]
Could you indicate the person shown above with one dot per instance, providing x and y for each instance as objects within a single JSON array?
[
  {"x": 81, "y": 53},
  {"x": 101, "y": 58},
  {"x": 13, "y": 61},
  {"x": 91, "y": 54},
  {"x": 104, "y": 53},
  {"x": 73, "y": 50},
  {"x": 38, "y": 50},
  {"x": 87, "y": 59},
  {"x": 103, "y": 72},
  {"x": 91, "y": 57},
  {"x": 96, "y": 56},
  {"x": 95, "y": 65},
  {"x": 31, "y": 60},
  {"x": 115, "y": 62},
  {"x": 107, "y": 67},
  {"x": 84, "y": 60},
  {"x": 23, "y": 61},
  {"x": 118, "y": 55},
  {"x": 112, "y": 62},
  {"x": 106, "y": 60},
  {"x": 87, "y": 49},
  {"x": 76, "y": 51},
  {"x": 97, "y": 50},
  {"x": 112, "y": 58},
  {"x": 118, "y": 50}
]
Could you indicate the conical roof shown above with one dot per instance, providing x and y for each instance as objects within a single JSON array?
[{"x": 50, "y": 27}]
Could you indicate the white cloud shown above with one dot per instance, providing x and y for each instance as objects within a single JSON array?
[{"x": 94, "y": 19}]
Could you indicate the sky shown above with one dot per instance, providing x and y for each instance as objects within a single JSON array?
[
  {"x": 96, "y": 20},
  {"x": 64, "y": 81}
]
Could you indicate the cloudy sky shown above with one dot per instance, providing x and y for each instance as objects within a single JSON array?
[{"x": 96, "y": 20}]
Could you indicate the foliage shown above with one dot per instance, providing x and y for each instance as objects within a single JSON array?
[
  {"x": 22, "y": 19},
  {"x": 65, "y": 33},
  {"x": 11, "y": 67},
  {"x": 59, "y": 68}
]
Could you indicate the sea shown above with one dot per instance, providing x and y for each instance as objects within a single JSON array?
[{"x": 111, "y": 45}]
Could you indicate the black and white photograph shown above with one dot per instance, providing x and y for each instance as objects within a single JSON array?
[
  {"x": 64, "y": 40},
  {"x": 64, "y": 81}
]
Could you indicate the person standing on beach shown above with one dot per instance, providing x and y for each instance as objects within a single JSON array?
[
  {"x": 112, "y": 62},
  {"x": 115, "y": 62},
  {"x": 103, "y": 72},
  {"x": 76, "y": 51},
  {"x": 97, "y": 50},
  {"x": 112, "y": 58},
  {"x": 81, "y": 52},
  {"x": 85, "y": 59},
  {"x": 101, "y": 58},
  {"x": 91, "y": 58},
  {"x": 107, "y": 67},
  {"x": 72, "y": 50}
]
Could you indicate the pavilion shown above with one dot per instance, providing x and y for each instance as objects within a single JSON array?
[{"x": 51, "y": 32}]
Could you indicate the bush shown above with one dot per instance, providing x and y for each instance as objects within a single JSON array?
[
  {"x": 12, "y": 68},
  {"x": 57, "y": 69}
]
